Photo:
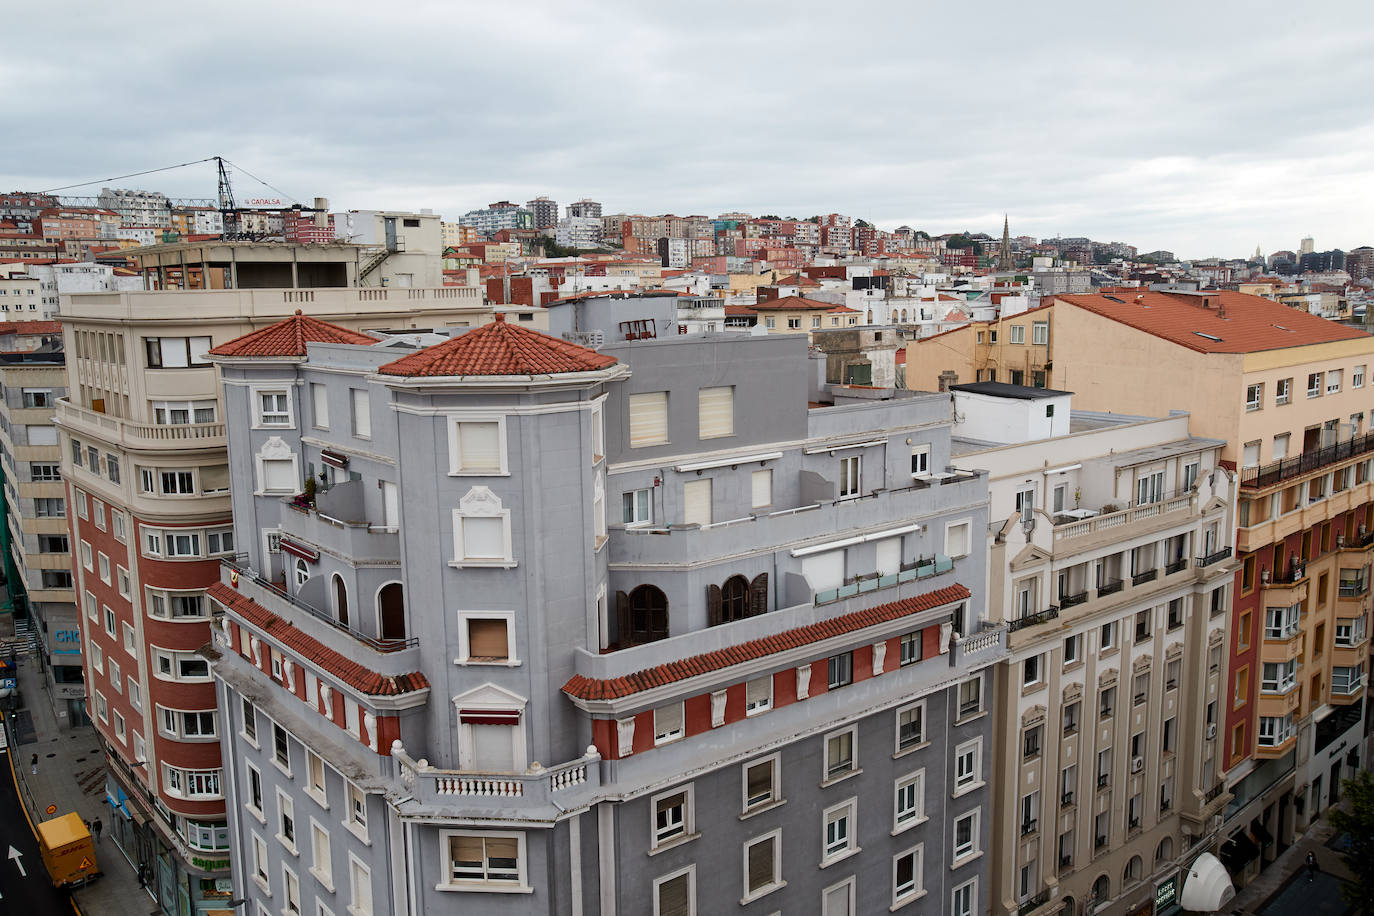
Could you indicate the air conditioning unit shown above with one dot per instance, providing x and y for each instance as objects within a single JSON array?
[
  {"x": 1137, "y": 764},
  {"x": 1212, "y": 730}
]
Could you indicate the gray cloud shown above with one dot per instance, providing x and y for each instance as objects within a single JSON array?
[{"x": 1206, "y": 128}]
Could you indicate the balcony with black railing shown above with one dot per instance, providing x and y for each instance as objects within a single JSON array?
[
  {"x": 1275, "y": 472},
  {"x": 1148, "y": 575},
  {"x": 1030, "y": 620},
  {"x": 1031, "y": 904},
  {"x": 1110, "y": 587},
  {"x": 1215, "y": 557},
  {"x": 1068, "y": 601}
]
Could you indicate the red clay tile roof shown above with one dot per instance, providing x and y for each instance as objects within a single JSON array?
[
  {"x": 499, "y": 348},
  {"x": 1234, "y": 322},
  {"x": 793, "y": 304},
  {"x": 586, "y": 688},
  {"x": 31, "y": 327},
  {"x": 289, "y": 337},
  {"x": 310, "y": 649}
]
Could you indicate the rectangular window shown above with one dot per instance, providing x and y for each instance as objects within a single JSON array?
[
  {"x": 668, "y": 724},
  {"x": 672, "y": 816},
  {"x": 274, "y": 408},
  {"x": 321, "y": 865},
  {"x": 1030, "y": 671},
  {"x": 361, "y": 407},
  {"x": 839, "y": 753},
  {"x": 1073, "y": 649},
  {"x": 648, "y": 419},
  {"x": 839, "y": 829},
  {"x": 1031, "y": 740},
  {"x": 1108, "y": 635},
  {"x": 970, "y": 697},
  {"x": 968, "y": 765},
  {"x": 761, "y": 489},
  {"x": 910, "y": 647},
  {"x": 319, "y": 403},
  {"x": 499, "y": 855},
  {"x": 696, "y": 501},
  {"x": 1283, "y": 390},
  {"x": 281, "y": 750},
  {"x": 1333, "y": 380},
  {"x": 758, "y": 695},
  {"x": 675, "y": 895},
  {"x": 1357, "y": 377},
  {"x": 1314, "y": 385},
  {"x": 39, "y": 473},
  {"x": 1070, "y": 717},
  {"x": 957, "y": 539},
  {"x": 840, "y": 670},
  {"x": 636, "y": 507},
  {"x": 1018, "y": 333},
  {"x": 850, "y": 472},
  {"x": 476, "y": 447},
  {"x": 920, "y": 461},
  {"x": 911, "y": 726},
  {"x": 762, "y": 865},
  {"x": 716, "y": 412},
  {"x": 966, "y": 835},
  {"x": 761, "y": 783},
  {"x": 488, "y": 639},
  {"x": 176, "y": 352},
  {"x": 1254, "y": 397},
  {"x": 1106, "y": 702}
]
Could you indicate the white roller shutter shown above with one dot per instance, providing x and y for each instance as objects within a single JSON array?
[
  {"x": 889, "y": 556},
  {"x": 479, "y": 446},
  {"x": 716, "y": 412},
  {"x": 278, "y": 476},
  {"x": 648, "y": 419},
  {"x": 696, "y": 502},
  {"x": 762, "y": 482},
  {"x": 824, "y": 571}
]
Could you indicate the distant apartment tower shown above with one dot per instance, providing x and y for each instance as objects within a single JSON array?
[
  {"x": 500, "y": 215},
  {"x": 1109, "y": 561},
  {"x": 143, "y": 439},
  {"x": 543, "y": 213},
  {"x": 1359, "y": 263},
  {"x": 579, "y": 232},
  {"x": 137, "y": 208},
  {"x": 798, "y": 716},
  {"x": 585, "y": 209},
  {"x": 38, "y": 555}
]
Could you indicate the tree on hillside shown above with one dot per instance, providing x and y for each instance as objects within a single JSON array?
[
  {"x": 813, "y": 219},
  {"x": 862, "y": 224},
  {"x": 770, "y": 216},
  {"x": 1357, "y": 822}
]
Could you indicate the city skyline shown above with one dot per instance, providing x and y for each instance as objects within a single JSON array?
[{"x": 1176, "y": 141}]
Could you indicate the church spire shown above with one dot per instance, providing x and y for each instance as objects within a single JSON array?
[{"x": 1004, "y": 261}]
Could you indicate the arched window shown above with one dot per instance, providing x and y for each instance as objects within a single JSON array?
[
  {"x": 734, "y": 599},
  {"x": 1134, "y": 869},
  {"x": 340, "y": 600},
  {"x": 1165, "y": 852},
  {"x": 737, "y": 599},
  {"x": 1102, "y": 888},
  {"x": 302, "y": 573},
  {"x": 641, "y": 616},
  {"x": 391, "y": 611},
  {"x": 1069, "y": 908}
]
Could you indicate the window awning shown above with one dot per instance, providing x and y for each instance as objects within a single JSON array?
[
  {"x": 333, "y": 458},
  {"x": 303, "y": 551},
  {"x": 489, "y": 716}
]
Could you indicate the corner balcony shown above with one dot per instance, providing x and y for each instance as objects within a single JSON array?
[
  {"x": 337, "y": 524},
  {"x": 130, "y": 434},
  {"x": 1082, "y": 534},
  {"x": 538, "y": 794}
]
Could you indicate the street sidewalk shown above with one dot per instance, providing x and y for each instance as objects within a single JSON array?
[
  {"x": 1252, "y": 898},
  {"x": 71, "y": 777}
]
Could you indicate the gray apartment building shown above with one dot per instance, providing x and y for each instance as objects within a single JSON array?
[{"x": 671, "y": 627}]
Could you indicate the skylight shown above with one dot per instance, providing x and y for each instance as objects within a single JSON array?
[{"x": 1208, "y": 336}]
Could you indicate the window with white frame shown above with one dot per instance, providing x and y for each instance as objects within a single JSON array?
[
  {"x": 648, "y": 419},
  {"x": 676, "y": 894},
  {"x": 177, "y": 413},
  {"x": 191, "y": 784},
  {"x": 286, "y": 821},
  {"x": 319, "y": 404},
  {"x": 911, "y": 731},
  {"x": 1333, "y": 380},
  {"x": 1279, "y": 677},
  {"x": 758, "y": 695},
  {"x": 1351, "y": 631},
  {"x": 968, "y": 765},
  {"x": 636, "y": 507},
  {"x": 673, "y": 816},
  {"x": 1254, "y": 396},
  {"x": 110, "y": 620},
  {"x": 716, "y": 412},
  {"x": 840, "y": 753},
  {"x": 260, "y": 861},
  {"x": 761, "y": 781},
  {"x": 178, "y": 605},
  {"x": 87, "y": 556},
  {"x": 1357, "y": 377},
  {"x": 360, "y": 880},
  {"x": 910, "y": 648},
  {"x": 1275, "y": 730},
  {"x": 964, "y": 899},
  {"x": 180, "y": 666},
  {"x": 477, "y": 446},
  {"x": 839, "y": 835},
  {"x": 274, "y": 408},
  {"x": 1281, "y": 622},
  {"x": 909, "y": 803},
  {"x": 481, "y": 530},
  {"x": 970, "y": 697},
  {"x": 957, "y": 539},
  {"x": 356, "y": 818},
  {"x": 321, "y": 863},
  {"x": 1314, "y": 385},
  {"x": 907, "y": 883},
  {"x": 920, "y": 461},
  {"x": 315, "y": 778},
  {"x": 1283, "y": 391},
  {"x": 668, "y": 724},
  {"x": 486, "y": 638},
  {"x": 1018, "y": 333},
  {"x": 1040, "y": 333},
  {"x": 177, "y": 723},
  {"x": 762, "y": 865},
  {"x": 851, "y": 469},
  {"x": 361, "y": 412},
  {"x": 966, "y": 835},
  {"x": 761, "y": 488}
]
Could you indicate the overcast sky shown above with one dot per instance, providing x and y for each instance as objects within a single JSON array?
[{"x": 1206, "y": 128}]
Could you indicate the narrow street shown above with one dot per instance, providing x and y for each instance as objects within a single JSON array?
[{"x": 24, "y": 884}]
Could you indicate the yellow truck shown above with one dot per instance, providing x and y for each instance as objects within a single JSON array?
[{"x": 67, "y": 850}]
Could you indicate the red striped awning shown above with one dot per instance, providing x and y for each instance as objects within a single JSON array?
[
  {"x": 303, "y": 551},
  {"x": 489, "y": 716},
  {"x": 333, "y": 458}
]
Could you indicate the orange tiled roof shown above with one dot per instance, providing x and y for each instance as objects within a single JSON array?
[
  {"x": 793, "y": 304},
  {"x": 311, "y": 649},
  {"x": 499, "y": 348},
  {"x": 586, "y": 688},
  {"x": 1233, "y": 322},
  {"x": 31, "y": 327},
  {"x": 289, "y": 337}
]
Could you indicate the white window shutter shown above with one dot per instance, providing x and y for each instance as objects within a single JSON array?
[
  {"x": 889, "y": 556},
  {"x": 648, "y": 419},
  {"x": 484, "y": 538},
  {"x": 277, "y": 475},
  {"x": 716, "y": 412},
  {"x": 824, "y": 571},
  {"x": 479, "y": 446},
  {"x": 696, "y": 498},
  {"x": 762, "y": 488}
]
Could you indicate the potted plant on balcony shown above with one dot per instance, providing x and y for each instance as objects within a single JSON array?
[{"x": 305, "y": 501}]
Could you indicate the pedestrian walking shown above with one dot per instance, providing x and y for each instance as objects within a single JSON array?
[
  {"x": 33, "y": 764},
  {"x": 96, "y": 827},
  {"x": 1312, "y": 867}
]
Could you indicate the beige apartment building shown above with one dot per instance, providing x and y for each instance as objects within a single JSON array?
[
  {"x": 1016, "y": 349},
  {"x": 142, "y": 438},
  {"x": 1287, "y": 392},
  {"x": 799, "y": 315},
  {"x": 1109, "y": 561}
]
